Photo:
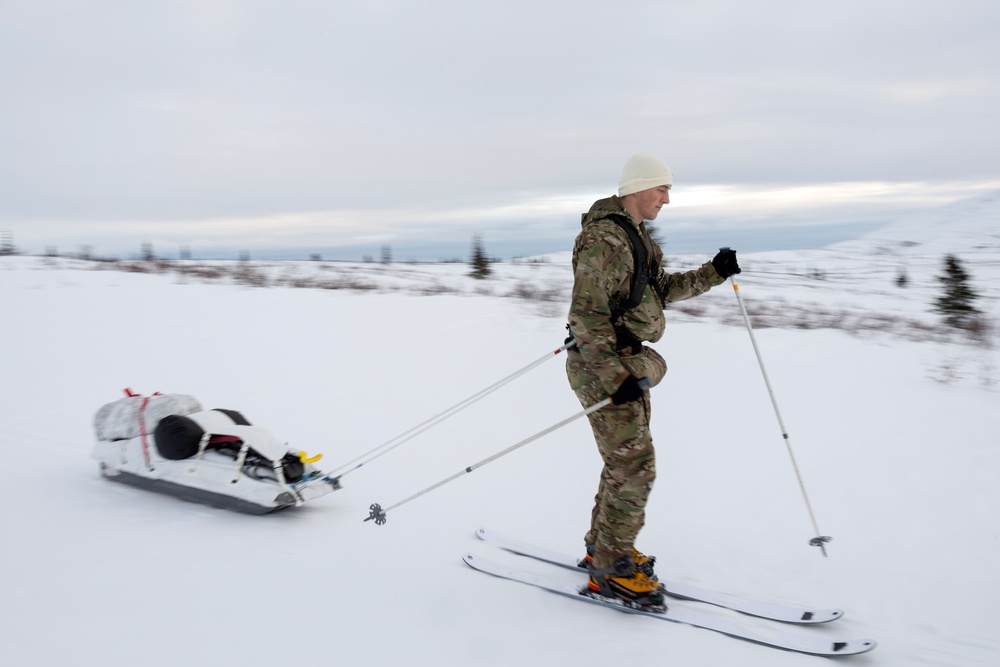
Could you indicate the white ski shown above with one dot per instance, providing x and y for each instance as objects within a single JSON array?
[
  {"x": 776, "y": 612},
  {"x": 776, "y": 638}
]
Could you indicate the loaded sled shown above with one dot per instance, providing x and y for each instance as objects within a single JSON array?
[{"x": 169, "y": 444}]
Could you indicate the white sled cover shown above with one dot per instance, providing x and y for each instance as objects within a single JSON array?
[{"x": 120, "y": 420}]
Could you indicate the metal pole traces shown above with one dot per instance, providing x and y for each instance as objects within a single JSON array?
[{"x": 820, "y": 540}]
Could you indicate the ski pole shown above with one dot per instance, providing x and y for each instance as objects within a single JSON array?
[
  {"x": 378, "y": 514},
  {"x": 441, "y": 416},
  {"x": 820, "y": 540}
]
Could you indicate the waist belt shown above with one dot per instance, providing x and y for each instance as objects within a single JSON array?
[{"x": 624, "y": 340}]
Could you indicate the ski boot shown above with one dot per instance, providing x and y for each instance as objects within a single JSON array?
[
  {"x": 644, "y": 562},
  {"x": 626, "y": 583}
]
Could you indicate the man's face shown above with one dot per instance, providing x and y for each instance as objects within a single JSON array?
[{"x": 649, "y": 202}]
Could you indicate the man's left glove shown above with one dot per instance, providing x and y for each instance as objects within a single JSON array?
[{"x": 725, "y": 263}]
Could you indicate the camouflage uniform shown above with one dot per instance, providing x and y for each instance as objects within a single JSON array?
[{"x": 602, "y": 269}]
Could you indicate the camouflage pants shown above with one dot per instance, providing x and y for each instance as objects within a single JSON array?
[{"x": 626, "y": 446}]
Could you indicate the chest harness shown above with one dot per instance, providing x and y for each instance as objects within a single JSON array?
[{"x": 641, "y": 274}]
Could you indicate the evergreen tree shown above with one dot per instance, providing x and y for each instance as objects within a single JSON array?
[
  {"x": 956, "y": 302},
  {"x": 7, "y": 244},
  {"x": 654, "y": 233},
  {"x": 480, "y": 262}
]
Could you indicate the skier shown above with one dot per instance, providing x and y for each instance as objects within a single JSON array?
[{"x": 619, "y": 292}]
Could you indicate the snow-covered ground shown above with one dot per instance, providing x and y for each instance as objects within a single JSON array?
[{"x": 895, "y": 429}]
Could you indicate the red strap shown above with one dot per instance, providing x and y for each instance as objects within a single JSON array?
[
  {"x": 142, "y": 430},
  {"x": 132, "y": 394},
  {"x": 142, "y": 421}
]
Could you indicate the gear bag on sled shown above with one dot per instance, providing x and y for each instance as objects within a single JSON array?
[{"x": 168, "y": 443}]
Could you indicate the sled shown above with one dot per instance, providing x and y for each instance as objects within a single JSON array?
[{"x": 169, "y": 444}]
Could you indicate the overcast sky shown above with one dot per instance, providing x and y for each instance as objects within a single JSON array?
[{"x": 337, "y": 127}]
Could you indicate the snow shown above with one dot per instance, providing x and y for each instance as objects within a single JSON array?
[{"x": 895, "y": 432}]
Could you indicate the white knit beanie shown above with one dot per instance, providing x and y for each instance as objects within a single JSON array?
[{"x": 643, "y": 171}]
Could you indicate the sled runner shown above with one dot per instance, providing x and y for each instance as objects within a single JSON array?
[{"x": 169, "y": 444}]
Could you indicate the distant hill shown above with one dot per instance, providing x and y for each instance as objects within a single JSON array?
[{"x": 969, "y": 226}]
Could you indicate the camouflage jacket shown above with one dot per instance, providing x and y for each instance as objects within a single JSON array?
[{"x": 602, "y": 278}]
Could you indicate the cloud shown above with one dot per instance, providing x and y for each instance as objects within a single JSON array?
[
  {"x": 396, "y": 120},
  {"x": 528, "y": 224}
]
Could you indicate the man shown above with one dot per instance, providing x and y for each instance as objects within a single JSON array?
[{"x": 619, "y": 292}]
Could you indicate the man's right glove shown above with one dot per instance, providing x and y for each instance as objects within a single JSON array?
[
  {"x": 725, "y": 263},
  {"x": 630, "y": 390},
  {"x": 570, "y": 339}
]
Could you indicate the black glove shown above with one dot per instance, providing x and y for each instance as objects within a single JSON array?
[
  {"x": 570, "y": 338},
  {"x": 725, "y": 263},
  {"x": 629, "y": 391}
]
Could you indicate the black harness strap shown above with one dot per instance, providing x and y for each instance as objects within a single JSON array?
[{"x": 641, "y": 271}]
